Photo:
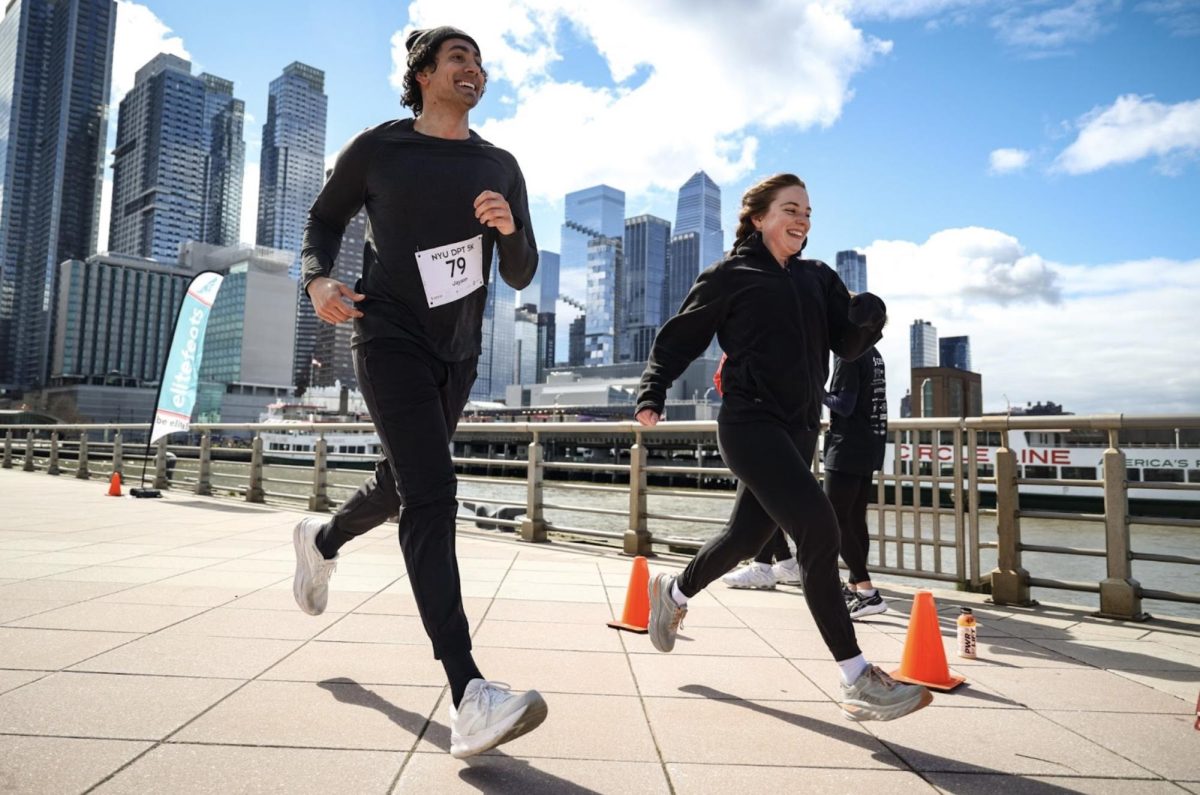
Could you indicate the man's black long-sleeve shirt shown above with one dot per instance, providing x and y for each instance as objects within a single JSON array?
[
  {"x": 776, "y": 325},
  {"x": 420, "y": 193}
]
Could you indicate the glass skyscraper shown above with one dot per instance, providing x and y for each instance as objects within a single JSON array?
[
  {"x": 923, "y": 344},
  {"x": 644, "y": 285},
  {"x": 955, "y": 352},
  {"x": 291, "y": 174},
  {"x": 683, "y": 266},
  {"x": 852, "y": 267},
  {"x": 598, "y": 211},
  {"x": 604, "y": 315},
  {"x": 55, "y": 69},
  {"x": 177, "y": 170},
  {"x": 699, "y": 210}
]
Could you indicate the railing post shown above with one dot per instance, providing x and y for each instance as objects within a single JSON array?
[
  {"x": 533, "y": 526},
  {"x": 8, "y": 449},
  {"x": 28, "y": 466},
  {"x": 637, "y": 537},
  {"x": 118, "y": 454},
  {"x": 318, "y": 500},
  {"x": 160, "y": 466},
  {"x": 963, "y": 579},
  {"x": 254, "y": 490},
  {"x": 204, "y": 474},
  {"x": 81, "y": 471},
  {"x": 52, "y": 464},
  {"x": 1010, "y": 582},
  {"x": 1120, "y": 594}
]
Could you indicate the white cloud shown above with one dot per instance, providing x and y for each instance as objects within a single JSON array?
[
  {"x": 140, "y": 36},
  {"x": 1099, "y": 338},
  {"x": 903, "y": 9},
  {"x": 1181, "y": 17},
  {"x": 1004, "y": 161},
  {"x": 1048, "y": 31},
  {"x": 1133, "y": 128},
  {"x": 700, "y": 86}
]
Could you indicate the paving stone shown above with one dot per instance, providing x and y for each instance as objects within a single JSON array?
[{"x": 60, "y": 764}]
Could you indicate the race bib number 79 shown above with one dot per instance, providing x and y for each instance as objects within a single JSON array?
[{"x": 450, "y": 272}]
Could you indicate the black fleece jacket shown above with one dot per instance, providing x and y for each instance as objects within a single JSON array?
[
  {"x": 419, "y": 192},
  {"x": 776, "y": 325}
]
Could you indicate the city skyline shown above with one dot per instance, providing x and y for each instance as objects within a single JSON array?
[{"x": 1029, "y": 218}]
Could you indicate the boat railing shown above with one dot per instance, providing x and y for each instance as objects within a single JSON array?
[{"x": 928, "y": 520}]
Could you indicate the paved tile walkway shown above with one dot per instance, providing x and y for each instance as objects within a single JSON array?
[{"x": 153, "y": 646}]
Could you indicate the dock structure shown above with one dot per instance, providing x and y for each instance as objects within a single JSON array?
[{"x": 154, "y": 646}]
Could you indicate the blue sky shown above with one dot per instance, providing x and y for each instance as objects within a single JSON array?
[{"x": 1023, "y": 172}]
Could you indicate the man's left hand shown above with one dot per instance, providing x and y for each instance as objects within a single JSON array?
[{"x": 492, "y": 210}]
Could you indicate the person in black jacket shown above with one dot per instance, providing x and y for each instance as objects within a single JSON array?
[
  {"x": 440, "y": 200},
  {"x": 776, "y": 317},
  {"x": 854, "y": 448}
]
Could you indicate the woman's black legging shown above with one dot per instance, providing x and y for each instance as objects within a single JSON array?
[
  {"x": 776, "y": 487},
  {"x": 849, "y": 494},
  {"x": 775, "y": 550}
]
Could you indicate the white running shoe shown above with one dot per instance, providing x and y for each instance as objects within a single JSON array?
[
  {"x": 311, "y": 583},
  {"x": 877, "y": 696},
  {"x": 758, "y": 576},
  {"x": 490, "y": 714},
  {"x": 787, "y": 572}
]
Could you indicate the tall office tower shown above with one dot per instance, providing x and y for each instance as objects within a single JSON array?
[
  {"x": 545, "y": 344},
  {"x": 334, "y": 362},
  {"x": 644, "y": 285},
  {"x": 291, "y": 174},
  {"x": 598, "y": 211},
  {"x": 542, "y": 292},
  {"x": 683, "y": 266},
  {"x": 224, "y": 117},
  {"x": 605, "y": 303},
  {"x": 525, "y": 354},
  {"x": 577, "y": 339},
  {"x": 177, "y": 170},
  {"x": 699, "y": 210},
  {"x": 55, "y": 69},
  {"x": 923, "y": 344},
  {"x": 495, "y": 368},
  {"x": 955, "y": 352},
  {"x": 852, "y": 267}
]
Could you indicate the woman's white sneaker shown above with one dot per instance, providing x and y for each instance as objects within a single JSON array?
[
  {"x": 490, "y": 714},
  {"x": 758, "y": 576},
  {"x": 787, "y": 572}
]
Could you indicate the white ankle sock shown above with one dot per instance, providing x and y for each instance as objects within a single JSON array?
[
  {"x": 677, "y": 594},
  {"x": 867, "y": 593},
  {"x": 852, "y": 668}
]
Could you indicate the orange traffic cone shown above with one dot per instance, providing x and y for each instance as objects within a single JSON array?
[
  {"x": 114, "y": 485},
  {"x": 924, "y": 661},
  {"x": 636, "y": 617}
]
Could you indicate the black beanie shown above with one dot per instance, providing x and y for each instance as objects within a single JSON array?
[{"x": 434, "y": 38}]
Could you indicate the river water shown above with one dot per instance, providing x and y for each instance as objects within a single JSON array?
[{"x": 1158, "y": 539}]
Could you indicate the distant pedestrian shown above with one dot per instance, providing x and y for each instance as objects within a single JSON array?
[
  {"x": 777, "y": 317},
  {"x": 854, "y": 449}
]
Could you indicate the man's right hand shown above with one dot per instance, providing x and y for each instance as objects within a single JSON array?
[
  {"x": 647, "y": 417},
  {"x": 327, "y": 294}
]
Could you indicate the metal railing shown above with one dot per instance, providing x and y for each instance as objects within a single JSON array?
[{"x": 929, "y": 523}]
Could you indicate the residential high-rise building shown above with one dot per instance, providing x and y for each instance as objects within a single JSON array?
[
  {"x": 699, "y": 210},
  {"x": 922, "y": 344},
  {"x": 545, "y": 344},
  {"x": 542, "y": 292},
  {"x": 852, "y": 267},
  {"x": 955, "y": 352},
  {"x": 683, "y": 266},
  {"x": 291, "y": 174},
  {"x": 55, "y": 70},
  {"x": 598, "y": 211},
  {"x": 334, "y": 362},
  {"x": 495, "y": 368},
  {"x": 643, "y": 285},
  {"x": 605, "y": 303},
  {"x": 525, "y": 336},
  {"x": 577, "y": 340},
  {"x": 177, "y": 168}
]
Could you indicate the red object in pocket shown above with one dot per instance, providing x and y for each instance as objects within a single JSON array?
[{"x": 717, "y": 375}]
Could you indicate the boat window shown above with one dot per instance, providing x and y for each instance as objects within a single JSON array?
[
  {"x": 1164, "y": 475},
  {"x": 1079, "y": 473},
  {"x": 1133, "y": 475},
  {"x": 1041, "y": 472},
  {"x": 1194, "y": 476},
  {"x": 986, "y": 470}
]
